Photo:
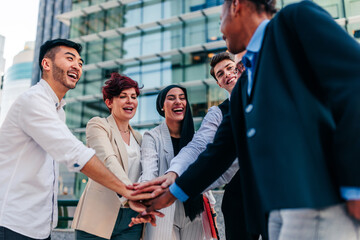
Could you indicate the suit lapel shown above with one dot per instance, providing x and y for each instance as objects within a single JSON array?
[
  {"x": 258, "y": 65},
  {"x": 119, "y": 143},
  {"x": 168, "y": 147},
  {"x": 136, "y": 135},
  {"x": 243, "y": 89}
]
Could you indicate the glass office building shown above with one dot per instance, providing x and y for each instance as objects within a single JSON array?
[{"x": 157, "y": 43}]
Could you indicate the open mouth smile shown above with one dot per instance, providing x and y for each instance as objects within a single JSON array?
[
  {"x": 128, "y": 109},
  {"x": 178, "y": 110},
  {"x": 230, "y": 80},
  {"x": 73, "y": 75}
]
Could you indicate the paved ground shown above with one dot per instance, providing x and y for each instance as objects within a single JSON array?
[{"x": 68, "y": 234}]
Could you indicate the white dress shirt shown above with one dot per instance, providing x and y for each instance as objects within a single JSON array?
[
  {"x": 133, "y": 153},
  {"x": 201, "y": 139},
  {"x": 33, "y": 138}
]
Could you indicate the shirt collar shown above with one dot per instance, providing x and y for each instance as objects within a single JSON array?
[
  {"x": 58, "y": 104},
  {"x": 256, "y": 40}
]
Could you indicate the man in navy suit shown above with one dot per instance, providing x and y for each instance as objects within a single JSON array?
[{"x": 294, "y": 125}]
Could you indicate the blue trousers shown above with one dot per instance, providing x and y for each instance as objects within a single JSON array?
[{"x": 121, "y": 230}]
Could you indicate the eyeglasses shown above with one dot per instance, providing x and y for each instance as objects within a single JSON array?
[
  {"x": 240, "y": 66},
  {"x": 222, "y": 75}
]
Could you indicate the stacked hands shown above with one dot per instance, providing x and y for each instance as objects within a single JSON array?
[{"x": 148, "y": 197}]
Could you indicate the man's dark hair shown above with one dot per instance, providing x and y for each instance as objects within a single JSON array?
[
  {"x": 48, "y": 49},
  {"x": 218, "y": 58},
  {"x": 263, "y": 5}
]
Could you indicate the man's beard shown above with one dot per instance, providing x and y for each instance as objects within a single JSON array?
[{"x": 60, "y": 76}]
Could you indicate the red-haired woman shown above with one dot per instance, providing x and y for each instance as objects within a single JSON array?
[{"x": 101, "y": 213}]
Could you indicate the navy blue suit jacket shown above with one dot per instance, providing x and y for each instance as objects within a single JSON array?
[{"x": 300, "y": 139}]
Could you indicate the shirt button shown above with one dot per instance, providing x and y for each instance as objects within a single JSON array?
[
  {"x": 251, "y": 132},
  {"x": 249, "y": 108},
  {"x": 56, "y": 104},
  {"x": 76, "y": 165}
]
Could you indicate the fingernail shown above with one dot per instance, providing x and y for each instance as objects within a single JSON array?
[{"x": 143, "y": 213}]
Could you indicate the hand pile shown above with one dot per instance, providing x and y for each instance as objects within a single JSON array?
[{"x": 160, "y": 197}]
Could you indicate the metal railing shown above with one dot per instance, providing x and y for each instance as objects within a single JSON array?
[{"x": 63, "y": 212}]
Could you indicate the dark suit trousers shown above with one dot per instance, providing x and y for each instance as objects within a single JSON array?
[
  {"x": 7, "y": 234},
  {"x": 233, "y": 209}
]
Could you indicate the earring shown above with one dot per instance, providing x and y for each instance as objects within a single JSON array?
[{"x": 162, "y": 109}]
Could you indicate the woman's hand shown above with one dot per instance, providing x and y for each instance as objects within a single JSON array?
[{"x": 139, "y": 206}]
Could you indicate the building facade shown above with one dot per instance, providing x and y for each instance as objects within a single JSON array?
[
  {"x": 156, "y": 43},
  {"x": 17, "y": 78}
]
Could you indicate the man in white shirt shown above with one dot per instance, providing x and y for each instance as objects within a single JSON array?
[{"x": 34, "y": 138}]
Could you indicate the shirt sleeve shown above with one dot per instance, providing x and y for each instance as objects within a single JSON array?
[
  {"x": 178, "y": 192},
  {"x": 350, "y": 193},
  {"x": 39, "y": 119},
  {"x": 202, "y": 137}
]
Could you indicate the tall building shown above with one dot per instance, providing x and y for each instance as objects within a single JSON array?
[
  {"x": 157, "y": 43},
  {"x": 17, "y": 78}
]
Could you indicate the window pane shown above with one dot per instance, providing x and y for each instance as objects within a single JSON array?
[
  {"x": 151, "y": 75},
  {"x": 148, "y": 112},
  {"x": 132, "y": 14},
  {"x": 132, "y": 43},
  {"x": 152, "y": 11},
  {"x": 151, "y": 42},
  {"x": 195, "y": 32}
]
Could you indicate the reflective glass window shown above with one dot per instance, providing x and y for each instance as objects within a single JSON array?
[
  {"x": 73, "y": 114},
  {"x": 151, "y": 76},
  {"x": 132, "y": 45},
  {"x": 96, "y": 22},
  {"x": 151, "y": 42},
  {"x": 133, "y": 14},
  {"x": 195, "y": 32},
  {"x": 173, "y": 37},
  {"x": 198, "y": 100},
  {"x": 194, "y": 5},
  {"x": 132, "y": 71},
  {"x": 213, "y": 33},
  {"x": 114, "y": 18},
  {"x": 173, "y": 8},
  {"x": 94, "y": 52},
  {"x": 152, "y": 11},
  {"x": 147, "y": 107},
  {"x": 112, "y": 48}
]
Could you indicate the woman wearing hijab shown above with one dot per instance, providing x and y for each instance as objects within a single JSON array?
[
  {"x": 101, "y": 213},
  {"x": 182, "y": 221}
]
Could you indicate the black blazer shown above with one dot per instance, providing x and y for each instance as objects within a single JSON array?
[{"x": 297, "y": 135}]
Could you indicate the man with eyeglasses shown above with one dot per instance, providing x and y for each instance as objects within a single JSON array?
[{"x": 294, "y": 126}]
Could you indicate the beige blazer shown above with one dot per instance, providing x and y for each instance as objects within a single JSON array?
[{"x": 98, "y": 206}]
